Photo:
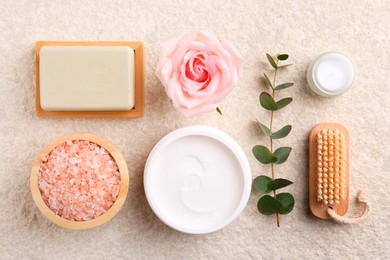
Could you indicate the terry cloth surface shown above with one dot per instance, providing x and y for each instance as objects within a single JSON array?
[{"x": 303, "y": 29}]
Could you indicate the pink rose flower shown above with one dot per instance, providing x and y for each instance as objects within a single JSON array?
[{"x": 198, "y": 71}]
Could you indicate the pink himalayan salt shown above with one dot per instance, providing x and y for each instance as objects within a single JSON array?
[{"x": 79, "y": 180}]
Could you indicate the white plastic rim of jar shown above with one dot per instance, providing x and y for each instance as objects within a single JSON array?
[
  {"x": 204, "y": 131},
  {"x": 345, "y": 68}
]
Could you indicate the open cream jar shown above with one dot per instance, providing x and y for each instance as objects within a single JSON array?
[
  {"x": 331, "y": 74},
  {"x": 197, "y": 179}
]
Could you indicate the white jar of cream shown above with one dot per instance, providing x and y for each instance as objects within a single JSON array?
[
  {"x": 197, "y": 179},
  {"x": 331, "y": 74}
]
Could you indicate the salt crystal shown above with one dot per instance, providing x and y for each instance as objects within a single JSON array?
[{"x": 73, "y": 160}]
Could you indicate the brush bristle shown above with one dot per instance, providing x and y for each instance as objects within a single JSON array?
[{"x": 331, "y": 163}]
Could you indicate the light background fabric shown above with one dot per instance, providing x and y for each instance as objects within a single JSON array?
[{"x": 304, "y": 29}]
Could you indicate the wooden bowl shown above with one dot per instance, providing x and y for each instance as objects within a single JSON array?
[{"x": 109, "y": 214}]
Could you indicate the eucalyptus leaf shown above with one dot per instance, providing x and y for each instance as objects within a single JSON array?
[
  {"x": 282, "y": 57},
  {"x": 284, "y": 85},
  {"x": 267, "y": 101},
  {"x": 268, "y": 81},
  {"x": 260, "y": 183},
  {"x": 283, "y": 132},
  {"x": 287, "y": 201},
  {"x": 268, "y": 205},
  {"x": 265, "y": 129},
  {"x": 278, "y": 184},
  {"x": 283, "y": 102},
  {"x": 272, "y": 61},
  {"x": 263, "y": 154},
  {"x": 218, "y": 110},
  {"x": 282, "y": 154}
]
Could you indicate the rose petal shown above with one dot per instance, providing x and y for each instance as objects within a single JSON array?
[
  {"x": 196, "y": 71},
  {"x": 171, "y": 85},
  {"x": 186, "y": 100},
  {"x": 238, "y": 60},
  {"x": 199, "y": 47},
  {"x": 209, "y": 90},
  {"x": 167, "y": 49},
  {"x": 165, "y": 72},
  {"x": 189, "y": 84},
  {"x": 212, "y": 42},
  {"x": 208, "y": 61}
]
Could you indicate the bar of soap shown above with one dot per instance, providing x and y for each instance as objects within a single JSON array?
[{"x": 87, "y": 78}]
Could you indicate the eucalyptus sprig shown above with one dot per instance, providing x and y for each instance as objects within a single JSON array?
[{"x": 276, "y": 203}]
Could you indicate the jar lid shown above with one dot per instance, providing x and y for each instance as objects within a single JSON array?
[
  {"x": 331, "y": 74},
  {"x": 197, "y": 179}
]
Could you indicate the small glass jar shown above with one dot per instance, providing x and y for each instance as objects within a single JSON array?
[{"x": 331, "y": 74}]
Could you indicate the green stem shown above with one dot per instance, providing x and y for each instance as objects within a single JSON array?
[{"x": 270, "y": 138}]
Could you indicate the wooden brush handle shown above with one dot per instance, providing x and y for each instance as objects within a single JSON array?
[{"x": 317, "y": 207}]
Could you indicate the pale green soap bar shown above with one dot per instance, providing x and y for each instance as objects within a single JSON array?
[{"x": 86, "y": 78}]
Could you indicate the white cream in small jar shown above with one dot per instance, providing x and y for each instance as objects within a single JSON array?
[{"x": 331, "y": 74}]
